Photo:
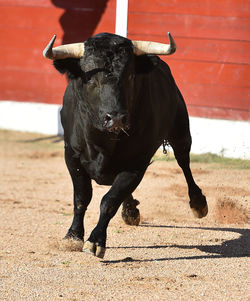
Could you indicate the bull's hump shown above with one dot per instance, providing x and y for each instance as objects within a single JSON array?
[{"x": 107, "y": 41}]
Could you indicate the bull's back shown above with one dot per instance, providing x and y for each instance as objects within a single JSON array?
[{"x": 159, "y": 98}]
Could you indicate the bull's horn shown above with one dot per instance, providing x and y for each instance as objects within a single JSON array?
[
  {"x": 75, "y": 50},
  {"x": 146, "y": 47}
]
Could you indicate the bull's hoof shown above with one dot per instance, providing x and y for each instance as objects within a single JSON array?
[
  {"x": 130, "y": 214},
  {"x": 199, "y": 213},
  {"x": 198, "y": 204},
  {"x": 94, "y": 249},
  {"x": 132, "y": 220},
  {"x": 73, "y": 235}
]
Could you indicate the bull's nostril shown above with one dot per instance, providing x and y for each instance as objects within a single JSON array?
[
  {"x": 108, "y": 117},
  {"x": 115, "y": 121},
  {"x": 108, "y": 121},
  {"x": 124, "y": 119}
]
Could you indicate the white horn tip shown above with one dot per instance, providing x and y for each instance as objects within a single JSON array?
[
  {"x": 173, "y": 46},
  {"x": 47, "y": 52}
]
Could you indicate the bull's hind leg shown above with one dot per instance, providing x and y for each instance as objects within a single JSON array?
[
  {"x": 82, "y": 194},
  {"x": 198, "y": 201},
  {"x": 130, "y": 214}
]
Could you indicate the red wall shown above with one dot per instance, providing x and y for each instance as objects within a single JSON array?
[
  {"x": 211, "y": 65},
  {"x": 26, "y": 26}
]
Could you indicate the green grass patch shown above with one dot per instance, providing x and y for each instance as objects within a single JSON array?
[{"x": 208, "y": 158}]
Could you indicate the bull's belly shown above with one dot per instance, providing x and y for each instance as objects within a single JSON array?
[
  {"x": 104, "y": 169},
  {"x": 104, "y": 179},
  {"x": 100, "y": 174}
]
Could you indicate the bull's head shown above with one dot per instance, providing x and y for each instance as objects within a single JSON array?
[{"x": 105, "y": 65}]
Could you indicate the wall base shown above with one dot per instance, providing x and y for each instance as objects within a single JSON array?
[
  {"x": 30, "y": 117},
  {"x": 222, "y": 137}
]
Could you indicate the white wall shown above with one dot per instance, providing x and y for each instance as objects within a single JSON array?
[
  {"x": 30, "y": 117},
  {"x": 222, "y": 137}
]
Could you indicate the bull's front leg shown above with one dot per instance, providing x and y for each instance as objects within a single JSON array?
[
  {"x": 82, "y": 193},
  {"x": 125, "y": 183}
]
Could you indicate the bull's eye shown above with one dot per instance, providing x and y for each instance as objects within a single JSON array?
[
  {"x": 93, "y": 86},
  {"x": 108, "y": 74},
  {"x": 92, "y": 82},
  {"x": 131, "y": 77}
]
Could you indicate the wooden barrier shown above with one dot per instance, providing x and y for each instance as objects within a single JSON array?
[{"x": 211, "y": 65}]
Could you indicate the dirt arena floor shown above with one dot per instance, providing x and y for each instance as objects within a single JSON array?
[{"x": 170, "y": 256}]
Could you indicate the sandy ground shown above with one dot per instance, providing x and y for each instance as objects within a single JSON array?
[{"x": 169, "y": 256}]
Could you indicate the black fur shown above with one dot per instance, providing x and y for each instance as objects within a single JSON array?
[
  {"x": 70, "y": 66},
  {"x": 110, "y": 85}
]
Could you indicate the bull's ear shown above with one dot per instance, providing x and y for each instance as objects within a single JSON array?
[{"x": 70, "y": 66}]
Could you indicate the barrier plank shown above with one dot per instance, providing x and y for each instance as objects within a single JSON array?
[
  {"x": 232, "y": 8},
  {"x": 224, "y": 28}
]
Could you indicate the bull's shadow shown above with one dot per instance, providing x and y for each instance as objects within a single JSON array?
[
  {"x": 52, "y": 139},
  {"x": 239, "y": 247},
  {"x": 80, "y": 18}
]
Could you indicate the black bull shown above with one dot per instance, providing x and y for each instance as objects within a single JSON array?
[{"x": 118, "y": 108}]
